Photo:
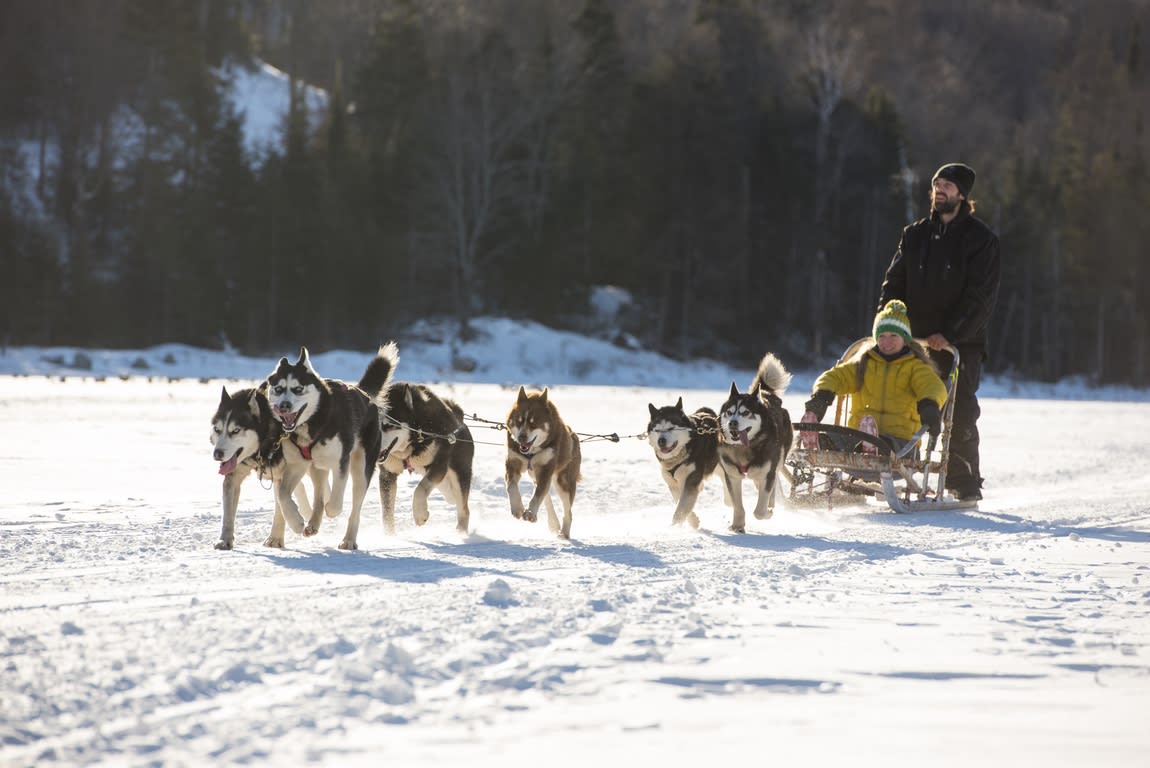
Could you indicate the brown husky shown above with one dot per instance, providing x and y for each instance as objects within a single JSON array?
[{"x": 539, "y": 441}]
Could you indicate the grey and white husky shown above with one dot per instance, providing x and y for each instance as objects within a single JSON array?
[
  {"x": 330, "y": 425},
  {"x": 425, "y": 433},
  {"x": 246, "y": 438},
  {"x": 755, "y": 437},
  {"x": 687, "y": 447}
]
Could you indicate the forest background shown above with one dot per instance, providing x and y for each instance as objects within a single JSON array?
[{"x": 742, "y": 168}]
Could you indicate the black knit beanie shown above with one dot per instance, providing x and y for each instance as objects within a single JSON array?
[{"x": 961, "y": 175}]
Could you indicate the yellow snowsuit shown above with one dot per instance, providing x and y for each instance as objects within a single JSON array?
[{"x": 890, "y": 391}]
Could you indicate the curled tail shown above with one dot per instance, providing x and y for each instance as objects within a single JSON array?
[
  {"x": 377, "y": 377},
  {"x": 773, "y": 376}
]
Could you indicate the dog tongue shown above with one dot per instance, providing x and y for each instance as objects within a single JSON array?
[
  {"x": 743, "y": 437},
  {"x": 229, "y": 466}
]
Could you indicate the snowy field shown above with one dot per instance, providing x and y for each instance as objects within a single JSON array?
[{"x": 1017, "y": 635}]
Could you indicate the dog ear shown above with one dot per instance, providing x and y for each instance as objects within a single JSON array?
[
  {"x": 734, "y": 389},
  {"x": 522, "y": 394},
  {"x": 543, "y": 397},
  {"x": 679, "y": 404},
  {"x": 224, "y": 396},
  {"x": 407, "y": 397},
  {"x": 302, "y": 356},
  {"x": 755, "y": 389},
  {"x": 651, "y": 407},
  {"x": 254, "y": 402}
]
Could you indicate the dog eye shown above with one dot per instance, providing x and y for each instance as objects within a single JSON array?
[
  {"x": 234, "y": 431},
  {"x": 217, "y": 430},
  {"x": 278, "y": 390},
  {"x": 297, "y": 390}
]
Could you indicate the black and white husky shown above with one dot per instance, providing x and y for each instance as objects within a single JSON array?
[
  {"x": 687, "y": 447},
  {"x": 755, "y": 437},
  {"x": 424, "y": 433},
  {"x": 245, "y": 439},
  {"x": 330, "y": 425}
]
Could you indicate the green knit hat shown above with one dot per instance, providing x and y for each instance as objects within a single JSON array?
[{"x": 892, "y": 319}]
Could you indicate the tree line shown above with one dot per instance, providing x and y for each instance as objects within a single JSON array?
[{"x": 742, "y": 167}]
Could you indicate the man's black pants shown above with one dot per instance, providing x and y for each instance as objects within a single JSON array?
[{"x": 962, "y": 471}]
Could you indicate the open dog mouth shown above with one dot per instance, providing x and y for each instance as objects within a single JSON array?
[
  {"x": 741, "y": 436},
  {"x": 229, "y": 466},
  {"x": 289, "y": 419},
  {"x": 667, "y": 448},
  {"x": 525, "y": 447}
]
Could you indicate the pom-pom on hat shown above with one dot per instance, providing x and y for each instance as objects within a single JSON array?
[
  {"x": 892, "y": 318},
  {"x": 961, "y": 175}
]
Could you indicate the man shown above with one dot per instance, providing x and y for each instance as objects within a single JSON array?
[{"x": 946, "y": 270}]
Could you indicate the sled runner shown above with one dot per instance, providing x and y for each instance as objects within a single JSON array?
[{"x": 852, "y": 464}]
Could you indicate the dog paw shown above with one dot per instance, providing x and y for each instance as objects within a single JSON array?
[
  {"x": 309, "y": 530},
  {"x": 737, "y": 528},
  {"x": 530, "y": 516},
  {"x": 420, "y": 517},
  {"x": 348, "y": 545},
  {"x": 517, "y": 512},
  {"x": 224, "y": 544},
  {"x": 764, "y": 515},
  {"x": 275, "y": 542},
  {"x": 693, "y": 521}
]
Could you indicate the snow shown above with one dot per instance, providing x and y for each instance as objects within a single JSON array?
[
  {"x": 1016, "y": 635},
  {"x": 261, "y": 95}
]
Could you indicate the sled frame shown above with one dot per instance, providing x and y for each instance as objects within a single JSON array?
[{"x": 910, "y": 480}]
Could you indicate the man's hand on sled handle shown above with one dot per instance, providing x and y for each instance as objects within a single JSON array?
[
  {"x": 937, "y": 342},
  {"x": 809, "y": 439}
]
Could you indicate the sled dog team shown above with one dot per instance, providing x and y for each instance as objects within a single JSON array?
[{"x": 297, "y": 423}]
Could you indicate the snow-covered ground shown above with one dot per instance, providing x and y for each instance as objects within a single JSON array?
[{"x": 1017, "y": 635}]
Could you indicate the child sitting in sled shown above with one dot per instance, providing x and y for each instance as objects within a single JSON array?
[{"x": 894, "y": 386}]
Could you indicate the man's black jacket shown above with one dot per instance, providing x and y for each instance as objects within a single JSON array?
[{"x": 948, "y": 275}]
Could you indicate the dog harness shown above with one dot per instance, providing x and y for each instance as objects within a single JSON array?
[{"x": 304, "y": 450}]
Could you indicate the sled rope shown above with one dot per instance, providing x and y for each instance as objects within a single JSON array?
[
  {"x": 452, "y": 437},
  {"x": 584, "y": 436}
]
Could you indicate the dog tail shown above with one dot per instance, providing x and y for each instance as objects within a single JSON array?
[
  {"x": 379, "y": 371},
  {"x": 773, "y": 376}
]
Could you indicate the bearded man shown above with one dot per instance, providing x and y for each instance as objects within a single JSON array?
[{"x": 946, "y": 271}]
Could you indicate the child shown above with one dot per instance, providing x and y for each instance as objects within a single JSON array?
[{"x": 894, "y": 385}]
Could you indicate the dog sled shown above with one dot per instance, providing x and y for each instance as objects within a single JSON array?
[{"x": 850, "y": 465}]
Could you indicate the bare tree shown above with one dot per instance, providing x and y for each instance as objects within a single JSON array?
[
  {"x": 474, "y": 174},
  {"x": 832, "y": 52}
]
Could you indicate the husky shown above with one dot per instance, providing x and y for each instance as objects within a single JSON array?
[
  {"x": 539, "y": 442},
  {"x": 687, "y": 447},
  {"x": 755, "y": 436},
  {"x": 425, "y": 433},
  {"x": 246, "y": 438},
  {"x": 332, "y": 426}
]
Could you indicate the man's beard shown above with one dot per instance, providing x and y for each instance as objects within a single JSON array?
[{"x": 949, "y": 205}]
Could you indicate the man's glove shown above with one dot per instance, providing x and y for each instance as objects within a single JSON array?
[
  {"x": 931, "y": 416},
  {"x": 819, "y": 403}
]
